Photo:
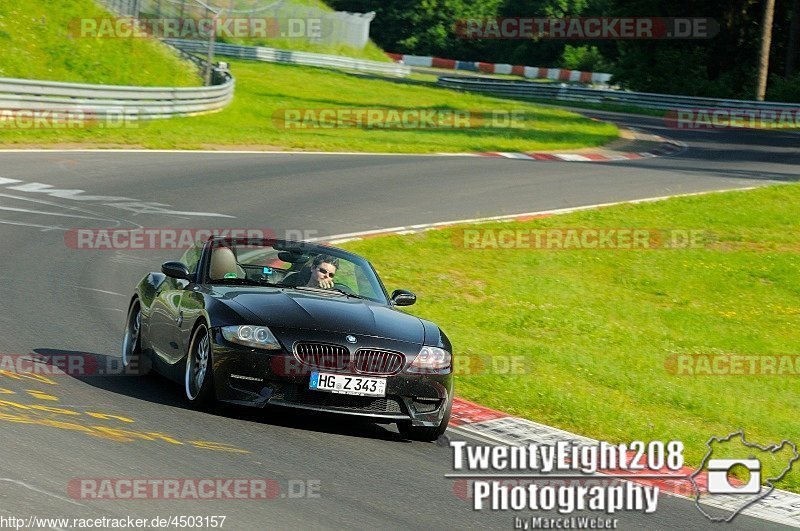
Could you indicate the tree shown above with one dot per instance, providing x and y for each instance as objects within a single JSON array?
[
  {"x": 727, "y": 65},
  {"x": 423, "y": 27},
  {"x": 766, "y": 43},
  {"x": 794, "y": 37}
]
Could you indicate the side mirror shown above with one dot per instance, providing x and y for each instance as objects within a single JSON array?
[
  {"x": 175, "y": 270},
  {"x": 401, "y": 297}
]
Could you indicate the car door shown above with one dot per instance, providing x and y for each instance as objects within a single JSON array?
[
  {"x": 191, "y": 308},
  {"x": 191, "y": 304},
  {"x": 164, "y": 320},
  {"x": 168, "y": 322}
]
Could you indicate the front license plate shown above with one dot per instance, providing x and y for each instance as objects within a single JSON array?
[{"x": 347, "y": 385}]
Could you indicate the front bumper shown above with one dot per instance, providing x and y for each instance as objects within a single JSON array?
[{"x": 257, "y": 378}]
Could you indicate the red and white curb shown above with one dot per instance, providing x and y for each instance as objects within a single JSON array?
[
  {"x": 495, "y": 427},
  {"x": 529, "y": 72},
  {"x": 667, "y": 147}
]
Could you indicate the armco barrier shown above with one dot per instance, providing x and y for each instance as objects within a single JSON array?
[
  {"x": 530, "y": 72},
  {"x": 274, "y": 55},
  {"x": 555, "y": 91},
  {"x": 103, "y": 100}
]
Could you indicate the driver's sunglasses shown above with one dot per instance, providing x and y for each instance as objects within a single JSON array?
[{"x": 326, "y": 272}]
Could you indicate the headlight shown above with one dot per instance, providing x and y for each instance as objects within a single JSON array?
[
  {"x": 431, "y": 359},
  {"x": 251, "y": 336}
]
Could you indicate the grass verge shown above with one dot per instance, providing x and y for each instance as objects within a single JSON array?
[
  {"x": 36, "y": 43},
  {"x": 262, "y": 89},
  {"x": 599, "y": 330}
]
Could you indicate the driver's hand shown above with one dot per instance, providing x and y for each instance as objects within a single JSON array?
[{"x": 326, "y": 283}]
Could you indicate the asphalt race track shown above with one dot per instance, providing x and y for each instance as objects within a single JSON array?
[{"x": 59, "y": 300}]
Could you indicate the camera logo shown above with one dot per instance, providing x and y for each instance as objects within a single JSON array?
[
  {"x": 719, "y": 474},
  {"x": 724, "y": 492}
]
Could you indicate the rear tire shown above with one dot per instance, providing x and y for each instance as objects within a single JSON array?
[
  {"x": 132, "y": 359},
  {"x": 199, "y": 375}
]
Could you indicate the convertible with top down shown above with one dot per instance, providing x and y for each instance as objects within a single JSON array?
[{"x": 292, "y": 324}]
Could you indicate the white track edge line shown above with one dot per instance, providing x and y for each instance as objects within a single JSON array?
[{"x": 350, "y": 236}]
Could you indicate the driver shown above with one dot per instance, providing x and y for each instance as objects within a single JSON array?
[{"x": 323, "y": 268}]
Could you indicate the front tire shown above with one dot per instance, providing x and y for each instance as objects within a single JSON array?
[
  {"x": 199, "y": 376},
  {"x": 132, "y": 358}
]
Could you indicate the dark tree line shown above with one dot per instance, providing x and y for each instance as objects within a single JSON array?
[{"x": 723, "y": 66}]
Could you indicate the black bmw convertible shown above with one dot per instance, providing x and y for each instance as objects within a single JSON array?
[{"x": 295, "y": 324}]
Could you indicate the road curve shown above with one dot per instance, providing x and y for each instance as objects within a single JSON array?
[{"x": 62, "y": 300}]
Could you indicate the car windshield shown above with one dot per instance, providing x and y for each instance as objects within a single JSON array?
[{"x": 295, "y": 265}]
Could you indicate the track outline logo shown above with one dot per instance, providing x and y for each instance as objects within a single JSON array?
[{"x": 772, "y": 448}]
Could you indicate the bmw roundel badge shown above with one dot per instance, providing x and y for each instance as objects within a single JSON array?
[{"x": 351, "y": 339}]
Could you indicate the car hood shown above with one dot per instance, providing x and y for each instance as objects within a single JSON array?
[{"x": 325, "y": 312}]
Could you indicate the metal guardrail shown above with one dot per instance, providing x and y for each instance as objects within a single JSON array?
[
  {"x": 25, "y": 95},
  {"x": 563, "y": 92},
  {"x": 274, "y": 55},
  {"x": 114, "y": 100}
]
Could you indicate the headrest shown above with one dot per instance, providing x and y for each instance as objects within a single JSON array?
[{"x": 223, "y": 262}]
